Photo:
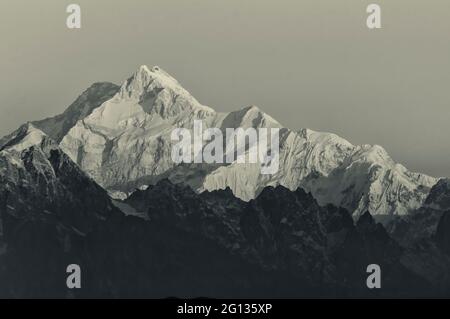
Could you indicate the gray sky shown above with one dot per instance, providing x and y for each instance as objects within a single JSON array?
[{"x": 308, "y": 63}]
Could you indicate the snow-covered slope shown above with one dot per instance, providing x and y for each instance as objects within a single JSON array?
[
  {"x": 58, "y": 126},
  {"x": 125, "y": 144},
  {"x": 358, "y": 178}
]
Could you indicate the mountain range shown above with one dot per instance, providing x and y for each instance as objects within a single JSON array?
[
  {"x": 120, "y": 136},
  {"x": 97, "y": 186}
]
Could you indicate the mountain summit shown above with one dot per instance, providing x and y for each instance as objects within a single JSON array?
[
  {"x": 158, "y": 93},
  {"x": 122, "y": 140}
]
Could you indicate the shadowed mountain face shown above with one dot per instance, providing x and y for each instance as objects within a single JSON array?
[
  {"x": 439, "y": 199},
  {"x": 443, "y": 232},
  {"x": 288, "y": 232},
  {"x": 39, "y": 181}
]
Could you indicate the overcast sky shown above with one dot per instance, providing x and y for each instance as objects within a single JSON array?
[{"x": 308, "y": 63}]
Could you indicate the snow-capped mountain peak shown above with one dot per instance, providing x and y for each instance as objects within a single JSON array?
[
  {"x": 138, "y": 83},
  {"x": 251, "y": 116},
  {"x": 157, "y": 92},
  {"x": 23, "y": 138}
]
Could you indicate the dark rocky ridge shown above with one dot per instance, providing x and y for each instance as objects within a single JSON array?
[
  {"x": 439, "y": 196},
  {"x": 443, "y": 232},
  {"x": 288, "y": 232}
]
